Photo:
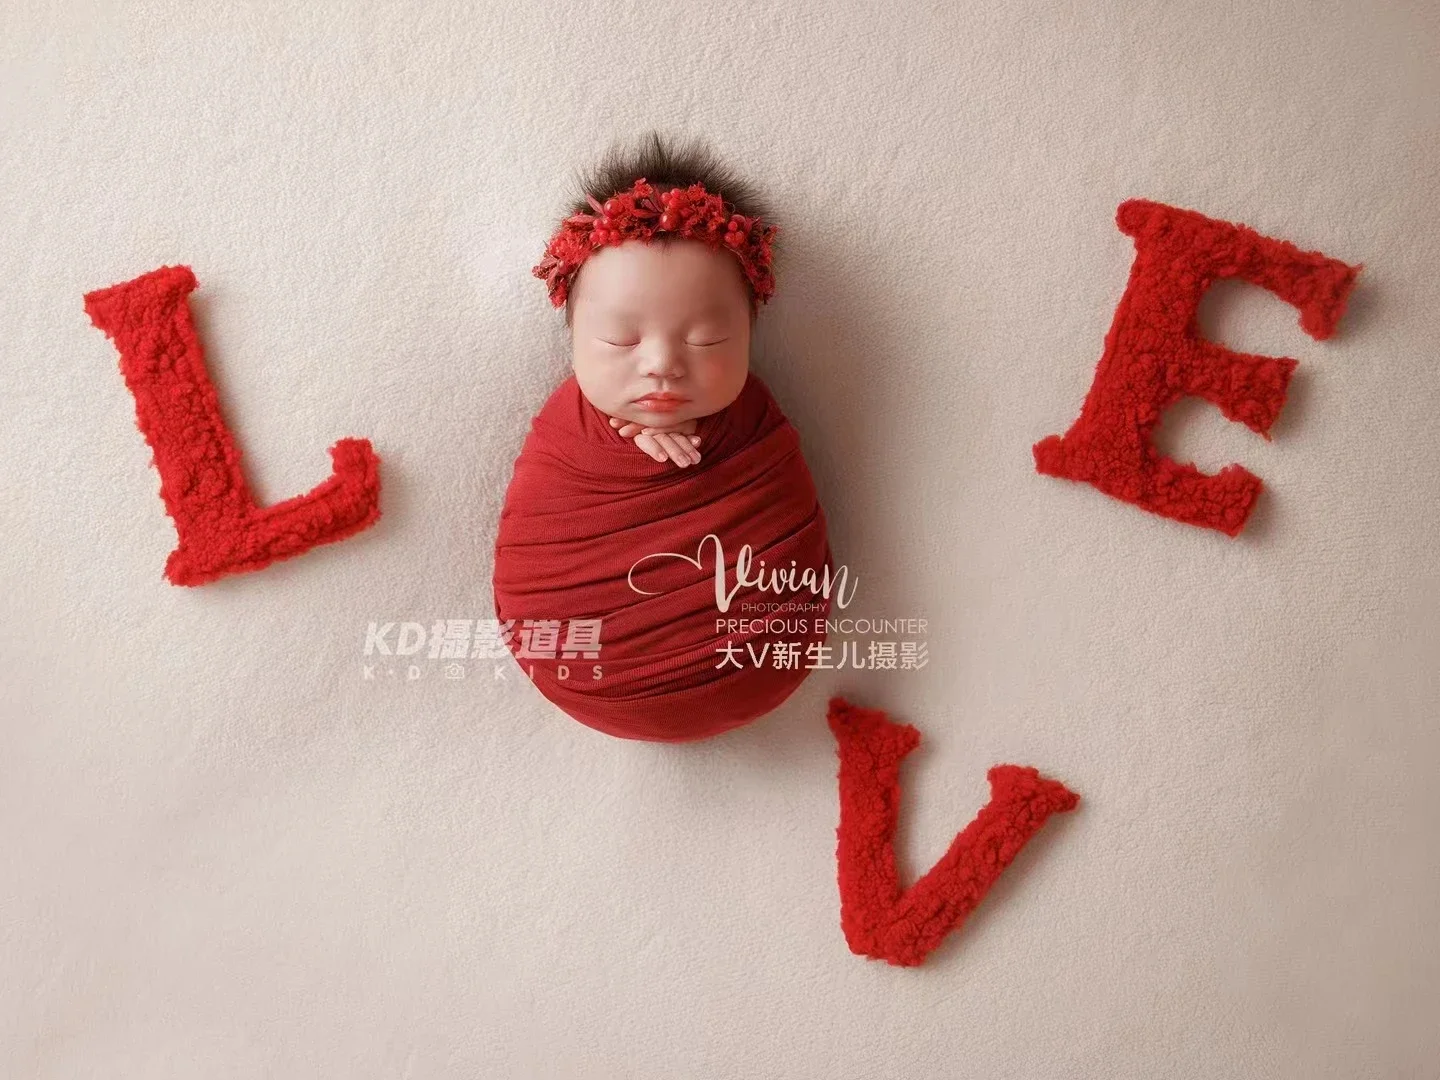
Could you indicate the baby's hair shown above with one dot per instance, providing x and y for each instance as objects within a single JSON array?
[{"x": 665, "y": 166}]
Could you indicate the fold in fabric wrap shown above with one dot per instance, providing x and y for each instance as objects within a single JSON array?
[{"x": 585, "y": 505}]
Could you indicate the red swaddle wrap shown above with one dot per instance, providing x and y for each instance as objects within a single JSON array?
[{"x": 585, "y": 505}]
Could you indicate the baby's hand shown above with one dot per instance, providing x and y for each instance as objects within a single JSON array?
[{"x": 678, "y": 443}]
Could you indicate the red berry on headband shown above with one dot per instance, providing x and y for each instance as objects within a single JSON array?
[
  {"x": 612, "y": 206},
  {"x": 667, "y": 220}
]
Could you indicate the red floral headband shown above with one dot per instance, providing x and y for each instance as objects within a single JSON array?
[{"x": 640, "y": 213}]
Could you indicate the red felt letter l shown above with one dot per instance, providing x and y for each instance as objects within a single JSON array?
[
  {"x": 220, "y": 528},
  {"x": 1154, "y": 356}
]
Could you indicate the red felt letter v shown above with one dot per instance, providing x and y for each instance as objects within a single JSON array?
[
  {"x": 879, "y": 920},
  {"x": 1153, "y": 357},
  {"x": 220, "y": 528}
]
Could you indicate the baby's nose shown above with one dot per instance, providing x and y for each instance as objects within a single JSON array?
[{"x": 663, "y": 364}]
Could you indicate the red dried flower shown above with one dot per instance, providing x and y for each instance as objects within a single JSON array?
[{"x": 640, "y": 213}]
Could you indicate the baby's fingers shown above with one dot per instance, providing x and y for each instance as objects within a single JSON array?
[
  {"x": 679, "y": 449},
  {"x": 651, "y": 447},
  {"x": 685, "y": 427},
  {"x": 694, "y": 440}
]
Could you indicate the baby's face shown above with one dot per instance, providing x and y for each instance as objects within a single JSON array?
[{"x": 660, "y": 318}]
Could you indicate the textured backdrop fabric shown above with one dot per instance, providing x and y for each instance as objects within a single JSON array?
[
  {"x": 242, "y": 836},
  {"x": 658, "y": 558}
]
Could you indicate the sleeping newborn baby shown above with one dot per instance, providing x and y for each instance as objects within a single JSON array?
[
  {"x": 662, "y": 562},
  {"x": 661, "y": 285},
  {"x": 660, "y": 336}
]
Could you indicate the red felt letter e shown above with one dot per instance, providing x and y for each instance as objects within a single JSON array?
[
  {"x": 221, "y": 530},
  {"x": 1154, "y": 356}
]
